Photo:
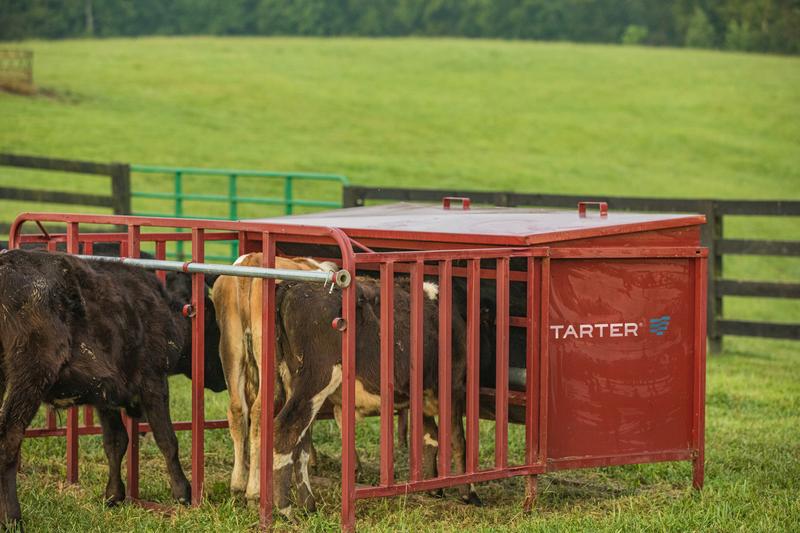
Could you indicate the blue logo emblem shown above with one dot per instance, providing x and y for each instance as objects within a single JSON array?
[{"x": 659, "y": 325}]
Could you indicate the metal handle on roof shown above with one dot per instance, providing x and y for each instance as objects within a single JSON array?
[
  {"x": 342, "y": 278},
  {"x": 602, "y": 205},
  {"x": 465, "y": 202}
]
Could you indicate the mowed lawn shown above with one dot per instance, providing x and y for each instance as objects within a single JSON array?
[{"x": 559, "y": 118}]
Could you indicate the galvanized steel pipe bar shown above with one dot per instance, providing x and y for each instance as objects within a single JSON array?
[{"x": 341, "y": 278}]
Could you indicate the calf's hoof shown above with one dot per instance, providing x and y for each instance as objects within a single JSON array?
[
  {"x": 472, "y": 499},
  {"x": 114, "y": 495},
  {"x": 253, "y": 500},
  {"x": 439, "y": 493},
  {"x": 183, "y": 494}
]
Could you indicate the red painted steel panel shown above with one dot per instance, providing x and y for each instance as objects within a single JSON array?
[
  {"x": 348, "y": 520},
  {"x": 267, "y": 379},
  {"x": 387, "y": 374},
  {"x": 445, "y": 364},
  {"x": 501, "y": 376},
  {"x": 198, "y": 369},
  {"x": 132, "y": 248},
  {"x": 621, "y": 355},
  {"x": 415, "y": 388},
  {"x": 72, "y": 412},
  {"x": 473, "y": 363}
]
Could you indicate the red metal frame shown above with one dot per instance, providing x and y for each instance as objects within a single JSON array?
[{"x": 442, "y": 260}]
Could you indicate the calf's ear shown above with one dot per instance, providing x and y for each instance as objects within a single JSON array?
[{"x": 210, "y": 280}]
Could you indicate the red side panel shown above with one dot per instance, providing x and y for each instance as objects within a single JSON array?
[{"x": 621, "y": 356}]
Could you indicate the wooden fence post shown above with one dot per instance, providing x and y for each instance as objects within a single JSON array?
[
  {"x": 352, "y": 196},
  {"x": 121, "y": 188}
]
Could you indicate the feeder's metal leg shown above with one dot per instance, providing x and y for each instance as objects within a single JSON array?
[
  {"x": 698, "y": 472},
  {"x": 531, "y": 483}
]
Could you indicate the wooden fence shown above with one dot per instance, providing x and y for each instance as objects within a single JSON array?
[
  {"x": 119, "y": 173},
  {"x": 712, "y": 237}
]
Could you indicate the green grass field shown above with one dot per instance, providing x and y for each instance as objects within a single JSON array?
[{"x": 558, "y": 118}]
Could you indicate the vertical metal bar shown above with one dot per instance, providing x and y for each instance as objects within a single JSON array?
[
  {"x": 233, "y": 212},
  {"x": 544, "y": 355},
  {"x": 72, "y": 412},
  {"x": 532, "y": 366},
  {"x": 532, "y": 363},
  {"x": 387, "y": 373},
  {"x": 242, "y": 243},
  {"x": 267, "y": 379},
  {"x": 132, "y": 248},
  {"x": 88, "y": 413},
  {"x": 473, "y": 362},
  {"x": 415, "y": 392},
  {"x": 501, "y": 356},
  {"x": 348, "y": 520},
  {"x": 288, "y": 195},
  {"x": 161, "y": 254},
  {"x": 198, "y": 369},
  {"x": 445, "y": 364},
  {"x": 698, "y": 427},
  {"x": 51, "y": 414},
  {"x": 179, "y": 208}
]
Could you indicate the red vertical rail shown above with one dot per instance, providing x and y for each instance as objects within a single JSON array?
[
  {"x": 532, "y": 363},
  {"x": 72, "y": 412},
  {"x": 242, "y": 243},
  {"x": 532, "y": 360},
  {"x": 52, "y": 423},
  {"x": 387, "y": 373},
  {"x": 267, "y": 378},
  {"x": 544, "y": 354},
  {"x": 473, "y": 362},
  {"x": 698, "y": 427},
  {"x": 161, "y": 254},
  {"x": 198, "y": 369},
  {"x": 349, "y": 398},
  {"x": 501, "y": 356},
  {"x": 415, "y": 389},
  {"x": 132, "y": 248},
  {"x": 445, "y": 364},
  {"x": 88, "y": 414}
]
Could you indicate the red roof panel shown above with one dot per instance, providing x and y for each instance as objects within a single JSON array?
[{"x": 489, "y": 225}]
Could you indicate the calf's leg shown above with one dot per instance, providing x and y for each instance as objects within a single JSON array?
[
  {"x": 115, "y": 444},
  {"x": 467, "y": 492},
  {"x": 30, "y": 370},
  {"x": 155, "y": 401},
  {"x": 305, "y": 498},
  {"x": 233, "y": 361},
  {"x": 309, "y": 392},
  {"x": 430, "y": 452}
]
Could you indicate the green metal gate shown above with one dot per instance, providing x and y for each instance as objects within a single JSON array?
[{"x": 233, "y": 197}]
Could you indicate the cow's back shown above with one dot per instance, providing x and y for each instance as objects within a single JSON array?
[{"x": 114, "y": 322}]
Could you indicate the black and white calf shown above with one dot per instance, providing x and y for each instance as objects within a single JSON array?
[{"x": 311, "y": 351}]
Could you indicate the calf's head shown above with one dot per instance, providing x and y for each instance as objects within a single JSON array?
[{"x": 179, "y": 287}]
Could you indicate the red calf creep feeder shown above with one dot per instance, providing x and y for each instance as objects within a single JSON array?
[{"x": 610, "y": 309}]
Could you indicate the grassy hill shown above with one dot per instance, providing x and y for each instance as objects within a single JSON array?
[{"x": 557, "y": 118}]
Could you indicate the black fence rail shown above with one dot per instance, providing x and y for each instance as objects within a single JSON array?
[
  {"x": 119, "y": 201},
  {"x": 712, "y": 237}
]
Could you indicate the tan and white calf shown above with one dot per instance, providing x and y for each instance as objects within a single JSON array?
[{"x": 238, "y": 306}]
